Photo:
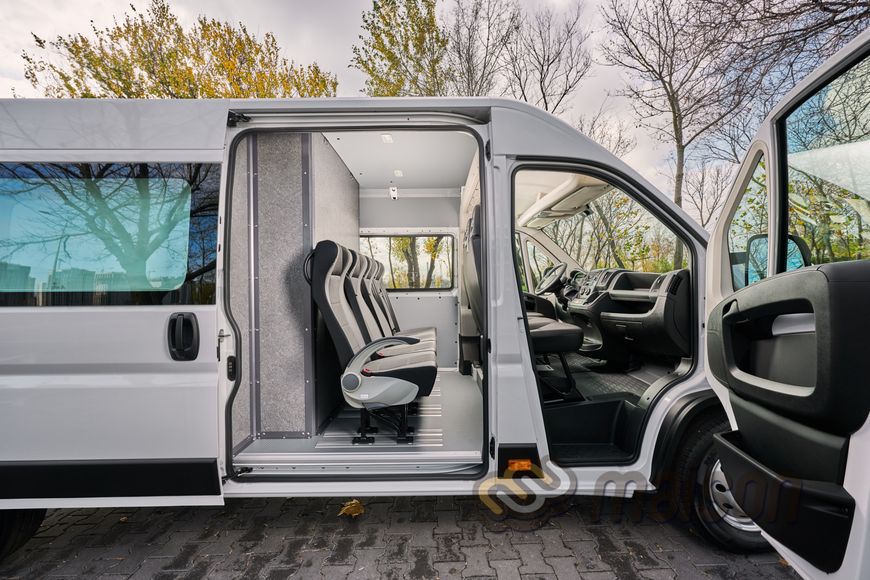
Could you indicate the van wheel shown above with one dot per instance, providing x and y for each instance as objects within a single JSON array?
[
  {"x": 16, "y": 528},
  {"x": 704, "y": 499}
]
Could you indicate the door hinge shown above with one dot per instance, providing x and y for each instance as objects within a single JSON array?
[
  {"x": 234, "y": 118},
  {"x": 487, "y": 150},
  {"x": 492, "y": 447}
]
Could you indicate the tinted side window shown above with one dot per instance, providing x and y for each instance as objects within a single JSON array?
[
  {"x": 828, "y": 165},
  {"x": 749, "y": 225},
  {"x": 84, "y": 234}
]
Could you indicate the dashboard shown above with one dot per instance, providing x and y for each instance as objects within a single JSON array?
[{"x": 624, "y": 312}]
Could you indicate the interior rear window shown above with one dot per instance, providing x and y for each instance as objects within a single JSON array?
[
  {"x": 419, "y": 262},
  {"x": 107, "y": 233}
]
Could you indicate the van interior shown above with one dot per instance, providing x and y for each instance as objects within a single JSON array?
[
  {"x": 607, "y": 310},
  {"x": 354, "y": 288}
]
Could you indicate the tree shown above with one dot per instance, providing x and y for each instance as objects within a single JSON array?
[
  {"x": 707, "y": 186},
  {"x": 150, "y": 55},
  {"x": 547, "y": 58},
  {"x": 611, "y": 133},
  {"x": 478, "y": 36},
  {"x": 678, "y": 83},
  {"x": 403, "y": 50},
  {"x": 779, "y": 43}
]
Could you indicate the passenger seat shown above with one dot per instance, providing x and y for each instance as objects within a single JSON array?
[
  {"x": 380, "y": 297},
  {"x": 383, "y": 387},
  {"x": 548, "y": 336}
]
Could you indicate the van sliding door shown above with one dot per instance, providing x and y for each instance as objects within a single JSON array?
[{"x": 108, "y": 353}]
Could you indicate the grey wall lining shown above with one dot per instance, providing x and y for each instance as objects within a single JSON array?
[
  {"x": 336, "y": 196},
  {"x": 238, "y": 291},
  {"x": 409, "y": 212},
  {"x": 438, "y": 309},
  {"x": 335, "y": 199},
  {"x": 283, "y": 292}
]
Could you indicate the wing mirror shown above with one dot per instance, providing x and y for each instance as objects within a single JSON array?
[{"x": 797, "y": 256}]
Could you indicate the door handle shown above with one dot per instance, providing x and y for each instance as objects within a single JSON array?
[{"x": 182, "y": 335}]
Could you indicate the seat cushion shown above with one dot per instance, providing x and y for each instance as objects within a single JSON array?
[
  {"x": 422, "y": 346},
  {"x": 539, "y": 321},
  {"x": 426, "y": 333},
  {"x": 556, "y": 337}
]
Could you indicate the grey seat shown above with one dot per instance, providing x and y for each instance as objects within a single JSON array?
[
  {"x": 548, "y": 336},
  {"x": 380, "y": 298},
  {"x": 373, "y": 386},
  {"x": 366, "y": 317}
]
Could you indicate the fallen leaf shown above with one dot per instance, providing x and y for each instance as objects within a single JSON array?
[{"x": 352, "y": 508}]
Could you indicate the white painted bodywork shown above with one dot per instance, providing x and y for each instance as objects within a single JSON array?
[
  {"x": 856, "y": 563},
  {"x": 196, "y": 131}
]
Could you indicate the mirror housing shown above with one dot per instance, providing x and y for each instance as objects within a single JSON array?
[{"x": 797, "y": 256}]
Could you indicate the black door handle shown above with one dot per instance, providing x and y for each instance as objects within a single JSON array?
[{"x": 182, "y": 335}]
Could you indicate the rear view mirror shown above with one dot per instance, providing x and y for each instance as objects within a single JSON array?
[{"x": 797, "y": 256}]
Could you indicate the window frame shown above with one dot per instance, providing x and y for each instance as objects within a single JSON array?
[
  {"x": 757, "y": 152},
  {"x": 165, "y": 297},
  {"x": 452, "y": 233},
  {"x": 779, "y": 249}
]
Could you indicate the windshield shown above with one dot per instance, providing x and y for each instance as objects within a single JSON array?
[{"x": 616, "y": 232}]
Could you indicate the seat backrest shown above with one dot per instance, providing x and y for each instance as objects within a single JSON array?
[
  {"x": 373, "y": 301},
  {"x": 353, "y": 290},
  {"x": 329, "y": 266},
  {"x": 471, "y": 266},
  {"x": 384, "y": 298}
]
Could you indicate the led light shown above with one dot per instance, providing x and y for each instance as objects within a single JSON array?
[
  {"x": 398, "y": 173},
  {"x": 517, "y": 465},
  {"x": 386, "y": 137}
]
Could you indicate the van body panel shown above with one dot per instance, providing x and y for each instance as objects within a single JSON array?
[{"x": 181, "y": 405}]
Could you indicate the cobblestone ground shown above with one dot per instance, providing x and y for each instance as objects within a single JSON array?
[{"x": 442, "y": 537}]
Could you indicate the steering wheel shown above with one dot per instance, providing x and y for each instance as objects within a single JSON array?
[{"x": 551, "y": 279}]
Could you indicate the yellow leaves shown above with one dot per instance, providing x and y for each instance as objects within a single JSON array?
[
  {"x": 403, "y": 50},
  {"x": 150, "y": 55},
  {"x": 353, "y": 508}
]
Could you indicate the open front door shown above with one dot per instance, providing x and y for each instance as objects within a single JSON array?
[{"x": 788, "y": 293}]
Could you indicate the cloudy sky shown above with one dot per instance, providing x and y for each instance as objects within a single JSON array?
[{"x": 308, "y": 30}]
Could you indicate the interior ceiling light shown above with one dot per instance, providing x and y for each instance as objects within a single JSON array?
[
  {"x": 386, "y": 137},
  {"x": 398, "y": 173}
]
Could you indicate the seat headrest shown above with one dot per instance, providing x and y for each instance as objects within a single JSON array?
[{"x": 356, "y": 265}]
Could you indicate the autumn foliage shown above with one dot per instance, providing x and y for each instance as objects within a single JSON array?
[{"x": 151, "y": 55}]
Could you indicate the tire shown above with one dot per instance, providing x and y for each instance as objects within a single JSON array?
[
  {"x": 702, "y": 498},
  {"x": 16, "y": 528}
]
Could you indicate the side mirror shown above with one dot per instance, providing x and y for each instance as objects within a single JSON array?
[{"x": 797, "y": 256}]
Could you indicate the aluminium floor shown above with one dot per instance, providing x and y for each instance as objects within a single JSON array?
[{"x": 448, "y": 437}]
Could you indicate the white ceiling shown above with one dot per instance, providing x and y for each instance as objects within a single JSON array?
[{"x": 428, "y": 159}]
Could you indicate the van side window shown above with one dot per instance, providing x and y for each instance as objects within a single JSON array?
[
  {"x": 828, "y": 164},
  {"x": 521, "y": 267},
  {"x": 413, "y": 262},
  {"x": 748, "y": 227},
  {"x": 538, "y": 263},
  {"x": 92, "y": 234}
]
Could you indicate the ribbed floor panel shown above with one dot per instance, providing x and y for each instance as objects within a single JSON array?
[{"x": 448, "y": 436}]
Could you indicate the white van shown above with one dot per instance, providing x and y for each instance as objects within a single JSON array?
[{"x": 243, "y": 298}]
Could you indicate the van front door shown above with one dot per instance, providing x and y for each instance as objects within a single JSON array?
[
  {"x": 788, "y": 294},
  {"x": 108, "y": 352}
]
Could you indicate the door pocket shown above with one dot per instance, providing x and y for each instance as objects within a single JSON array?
[{"x": 812, "y": 518}]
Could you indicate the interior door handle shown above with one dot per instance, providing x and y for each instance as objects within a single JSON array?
[{"x": 182, "y": 335}]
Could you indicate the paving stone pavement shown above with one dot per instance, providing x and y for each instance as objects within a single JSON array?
[{"x": 444, "y": 537}]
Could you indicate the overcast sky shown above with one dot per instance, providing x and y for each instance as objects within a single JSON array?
[{"x": 308, "y": 30}]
